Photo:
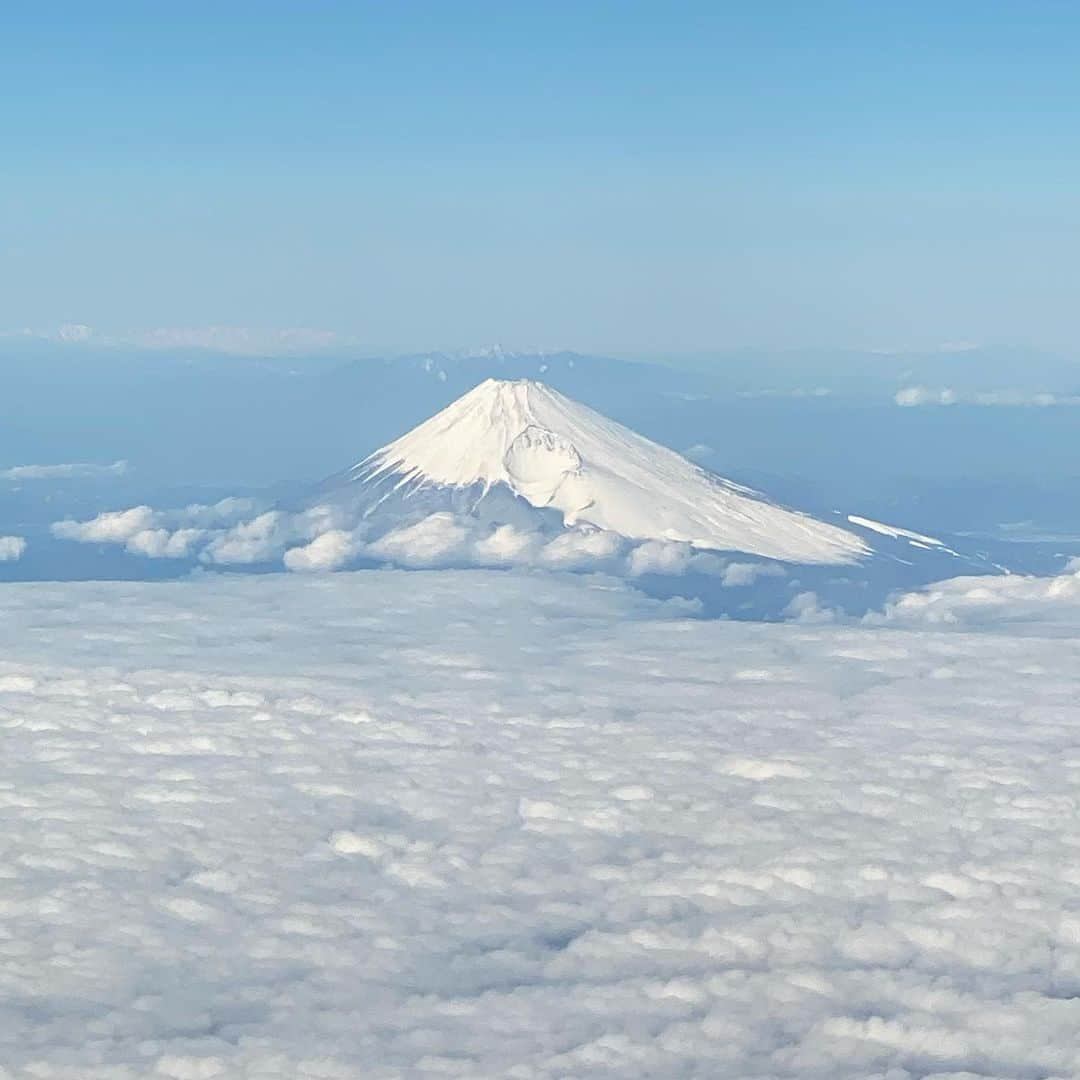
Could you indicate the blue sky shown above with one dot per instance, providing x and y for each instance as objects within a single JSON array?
[{"x": 651, "y": 178}]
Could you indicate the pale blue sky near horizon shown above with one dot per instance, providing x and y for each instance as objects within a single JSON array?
[{"x": 634, "y": 177}]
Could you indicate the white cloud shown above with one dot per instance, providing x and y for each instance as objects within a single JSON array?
[
  {"x": 741, "y": 574},
  {"x": 993, "y": 601},
  {"x": 1043, "y": 400},
  {"x": 805, "y": 607},
  {"x": 237, "y": 340},
  {"x": 507, "y": 545},
  {"x": 12, "y": 548},
  {"x": 438, "y": 538},
  {"x": 224, "y": 512},
  {"x": 162, "y": 544},
  {"x": 80, "y": 470},
  {"x": 267, "y": 537},
  {"x": 485, "y": 824},
  {"x": 330, "y": 550},
  {"x": 674, "y": 558},
  {"x": 581, "y": 547},
  {"x": 110, "y": 527},
  {"x": 261, "y": 539},
  {"x": 325, "y": 539},
  {"x": 157, "y": 534},
  {"x": 657, "y": 557},
  {"x": 912, "y": 396},
  {"x": 74, "y": 333}
]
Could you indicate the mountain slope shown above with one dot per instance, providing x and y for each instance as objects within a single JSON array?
[{"x": 523, "y": 439}]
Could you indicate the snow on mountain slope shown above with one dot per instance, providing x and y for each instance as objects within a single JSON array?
[
  {"x": 895, "y": 532},
  {"x": 559, "y": 455}
]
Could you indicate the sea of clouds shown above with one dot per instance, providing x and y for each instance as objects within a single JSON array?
[{"x": 516, "y": 825}]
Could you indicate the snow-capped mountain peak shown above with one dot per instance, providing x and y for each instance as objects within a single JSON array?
[
  {"x": 472, "y": 441},
  {"x": 559, "y": 455}
]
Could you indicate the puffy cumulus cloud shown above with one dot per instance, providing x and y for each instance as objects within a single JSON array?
[
  {"x": 670, "y": 557},
  {"x": 994, "y": 601},
  {"x": 657, "y": 557},
  {"x": 674, "y": 558},
  {"x": 157, "y": 534},
  {"x": 259, "y": 540},
  {"x": 12, "y": 548},
  {"x": 442, "y": 539},
  {"x": 231, "y": 532},
  {"x": 214, "y": 515},
  {"x": 806, "y": 607},
  {"x": 267, "y": 537},
  {"x": 582, "y": 547},
  {"x": 163, "y": 544},
  {"x": 325, "y": 538},
  {"x": 438, "y": 538},
  {"x": 72, "y": 471},
  {"x": 489, "y": 824},
  {"x": 110, "y": 527},
  {"x": 507, "y": 544},
  {"x": 742, "y": 574},
  {"x": 330, "y": 550}
]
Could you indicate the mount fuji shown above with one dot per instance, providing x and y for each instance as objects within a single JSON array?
[
  {"x": 519, "y": 453},
  {"x": 514, "y": 474}
]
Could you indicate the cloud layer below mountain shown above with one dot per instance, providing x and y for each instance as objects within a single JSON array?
[
  {"x": 1020, "y": 602},
  {"x": 235, "y": 532},
  {"x": 515, "y": 825}
]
